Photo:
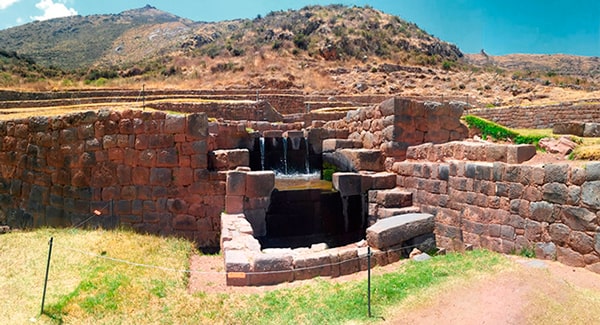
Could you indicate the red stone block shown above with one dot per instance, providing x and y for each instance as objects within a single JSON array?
[
  {"x": 167, "y": 157},
  {"x": 234, "y": 204},
  {"x": 147, "y": 158},
  {"x": 183, "y": 176},
  {"x": 157, "y": 141},
  {"x": 140, "y": 175},
  {"x": 141, "y": 142},
  {"x": 126, "y": 126},
  {"x": 236, "y": 183},
  {"x": 259, "y": 184},
  {"x": 161, "y": 176},
  {"x": 199, "y": 161},
  {"x": 179, "y": 138},
  {"x": 174, "y": 124},
  {"x": 271, "y": 269},
  {"x": 185, "y": 222},
  {"x": 185, "y": 161},
  {"x": 116, "y": 154},
  {"x": 80, "y": 178}
]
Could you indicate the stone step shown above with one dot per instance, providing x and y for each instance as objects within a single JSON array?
[
  {"x": 393, "y": 198},
  {"x": 383, "y": 213},
  {"x": 330, "y": 145},
  {"x": 395, "y": 230}
]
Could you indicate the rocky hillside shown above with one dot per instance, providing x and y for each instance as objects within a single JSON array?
[
  {"x": 323, "y": 50},
  {"x": 333, "y": 33},
  {"x": 79, "y": 41}
]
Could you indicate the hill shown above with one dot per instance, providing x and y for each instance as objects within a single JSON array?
[
  {"x": 333, "y": 32},
  {"x": 327, "y": 50},
  {"x": 79, "y": 41}
]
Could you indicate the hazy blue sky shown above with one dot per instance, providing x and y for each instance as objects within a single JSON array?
[{"x": 499, "y": 27}]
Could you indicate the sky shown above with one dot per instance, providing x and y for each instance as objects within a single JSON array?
[{"x": 496, "y": 26}]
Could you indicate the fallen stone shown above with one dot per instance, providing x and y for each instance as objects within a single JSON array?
[
  {"x": 562, "y": 145},
  {"x": 421, "y": 257},
  {"x": 397, "y": 229},
  {"x": 4, "y": 229}
]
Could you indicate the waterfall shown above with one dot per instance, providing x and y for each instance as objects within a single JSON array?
[
  {"x": 262, "y": 152},
  {"x": 285, "y": 149},
  {"x": 306, "y": 161}
]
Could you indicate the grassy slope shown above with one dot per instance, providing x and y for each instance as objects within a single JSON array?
[{"x": 87, "y": 289}]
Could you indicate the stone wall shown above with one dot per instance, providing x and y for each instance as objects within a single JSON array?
[
  {"x": 552, "y": 209},
  {"x": 396, "y": 124},
  {"x": 540, "y": 117},
  {"x": 143, "y": 170},
  {"x": 228, "y": 110},
  {"x": 246, "y": 263}
]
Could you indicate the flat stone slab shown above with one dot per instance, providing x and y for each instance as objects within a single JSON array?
[{"x": 395, "y": 230}]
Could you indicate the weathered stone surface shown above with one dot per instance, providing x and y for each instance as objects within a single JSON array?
[
  {"x": 562, "y": 145},
  {"x": 330, "y": 145},
  {"x": 581, "y": 242},
  {"x": 580, "y": 219},
  {"x": 556, "y": 173},
  {"x": 592, "y": 171},
  {"x": 259, "y": 183},
  {"x": 555, "y": 193},
  {"x": 569, "y": 257},
  {"x": 347, "y": 183},
  {"x": 546, "y": 251},
  {"x": 394, "y": 198},
  {"x": 237, "y": 265},
  {"x": 272, "y": 268},
  {"x": 228, "y": 159},
  {"x": 559, "y": 233},
  {"x": 307, "y": 266},
  {"x": 589, "y": 194},
  {"x": 361, "y": 159},
  {"x": 591, "y": 130},
  {"x": 397, "y": 229},
  {"x": 520, "y": 153},
  {"x": 257, "y": 219},
  {"x": 573, "y": 128},
  {"x": 197, "y": 125},
  {"x": 542, "y": 211}
]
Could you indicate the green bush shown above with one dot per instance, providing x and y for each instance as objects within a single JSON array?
[
  {"x": 489, "y": 128},
  {"x": 499, "y": 132}
]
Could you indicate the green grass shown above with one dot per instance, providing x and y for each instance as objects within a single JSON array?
[
  {"x": 498, "y": 132},
  {"x": 86, "y": 287}
]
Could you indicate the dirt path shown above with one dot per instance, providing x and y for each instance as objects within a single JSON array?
[
  {"x": 523, "y": 294},
  {"x": 515, "y": 296}
]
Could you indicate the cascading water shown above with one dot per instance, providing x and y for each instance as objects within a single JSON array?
[
  {"x": 306, "y": 160},
  {"x": 285, "y": 151},
  {"x": 262, "y": 152}
]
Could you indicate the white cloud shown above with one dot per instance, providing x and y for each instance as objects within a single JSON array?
[
  {"x": 53, "y": 9},
  {"x": 7, "y": 3}
]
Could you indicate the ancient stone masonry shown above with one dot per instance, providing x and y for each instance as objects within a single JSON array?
[
  {"x": 144, "y": 170},
  {"x": 396, "y": 124},
  {"x": 248, "y": 198},
  {"x": 552, "y": 209},
  {"x": 542, "y": 117}
]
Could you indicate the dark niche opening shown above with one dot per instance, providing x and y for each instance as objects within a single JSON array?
[{"x": 301, "y": 218}]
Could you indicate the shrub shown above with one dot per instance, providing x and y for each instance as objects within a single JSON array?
[
  {"x": 499, "y": 132},
  {"x": 301, "y": 41},
  {"x": 489, "y": 128}
]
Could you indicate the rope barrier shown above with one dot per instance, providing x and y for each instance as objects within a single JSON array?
[{"x": 162, "y": 268}]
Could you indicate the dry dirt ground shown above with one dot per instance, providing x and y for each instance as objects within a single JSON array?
[{"x": 530, "y": 291}]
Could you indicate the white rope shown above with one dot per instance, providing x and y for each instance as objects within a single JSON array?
[{"x": 118, "y": 260}]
